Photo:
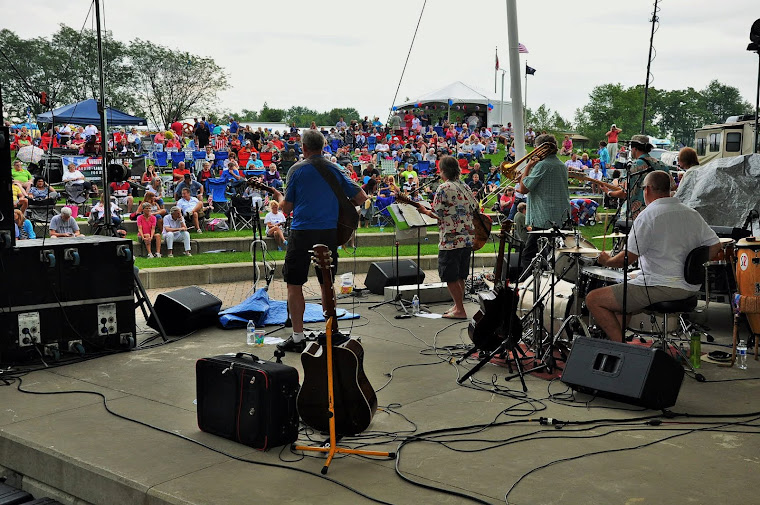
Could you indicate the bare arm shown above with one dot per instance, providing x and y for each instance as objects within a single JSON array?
[{"x": 616, "y": 261}]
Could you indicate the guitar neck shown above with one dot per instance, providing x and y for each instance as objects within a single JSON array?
[
  {"x": 258, "y": 185},
  {"x": 583, "y": 177}
]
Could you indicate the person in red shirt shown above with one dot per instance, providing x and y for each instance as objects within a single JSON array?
[
  {"x": 278, "y": 143},
  {"x": 123, "y": 193},
  {"x": 176, "y": 127},
  {"x": 173, "y": 142},
  {"x": 178, "y": 174},
  {"x": 408, "y": 118},
  {"x": 45, "y": 140},
  {"x": 612, "y": 143}
]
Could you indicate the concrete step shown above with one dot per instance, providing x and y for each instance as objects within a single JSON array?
[{"x": 170, "y": 277}]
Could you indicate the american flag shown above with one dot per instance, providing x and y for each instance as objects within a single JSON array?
[{"x": 522, "y": 49}]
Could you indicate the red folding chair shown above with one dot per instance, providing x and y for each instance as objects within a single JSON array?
[{"x": 266, "y": 158}]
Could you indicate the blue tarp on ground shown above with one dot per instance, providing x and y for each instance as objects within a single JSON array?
[
  {"x": 264, "y": 312},
  {"x": 86, "y": 112}
]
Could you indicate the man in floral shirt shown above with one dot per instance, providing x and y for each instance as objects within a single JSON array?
[{"x": 453, "y": 206}]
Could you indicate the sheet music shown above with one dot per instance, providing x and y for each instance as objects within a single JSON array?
[{"x": 414, "y": 217}]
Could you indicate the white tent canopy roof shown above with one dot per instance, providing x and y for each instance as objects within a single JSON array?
[{"x": 457, "y": 92}]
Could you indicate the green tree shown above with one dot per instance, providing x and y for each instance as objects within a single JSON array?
[
  {"x": 614, "y": 104},
  {"x": 301, "y": 116},
  {"x": 722, "y": 101},
  {"x": 545, "y": 119},
  {"x": 271, "y": 115},
  {"x": 173, "y": 84}
]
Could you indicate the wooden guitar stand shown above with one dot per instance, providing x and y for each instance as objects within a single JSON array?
[{"x": 332, "y": 446}]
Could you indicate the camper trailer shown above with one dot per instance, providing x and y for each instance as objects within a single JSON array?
[{"x": 733, "y": 138}]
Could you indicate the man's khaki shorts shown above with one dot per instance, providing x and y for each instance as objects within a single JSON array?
[{"x": 640, "y": 297}]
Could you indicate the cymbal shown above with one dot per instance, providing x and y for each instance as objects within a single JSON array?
[
  {"x": 551, "y": 232},
  {"x": 578, "y": 250},
  {"x": 612, "y": 235}
]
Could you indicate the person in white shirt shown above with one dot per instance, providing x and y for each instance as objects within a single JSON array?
[
  {"x": 191, "y": 207},
  {"x": 175, "y": 229},
  {"x": 274, "y": 221},
  {"x": 574, "y": 163},
  {"x": 76, "y": 177},
  {"x": 596, "y": 174},
  {"x": 662, "y": 237},
  {"x": 97, "y": 213},
  {"x": 89, "y": 130}
]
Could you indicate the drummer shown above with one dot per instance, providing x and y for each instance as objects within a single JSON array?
[{"x": 662, "y": 236}]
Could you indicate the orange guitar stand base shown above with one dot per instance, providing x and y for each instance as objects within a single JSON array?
[{"x": 332, "y": 448}]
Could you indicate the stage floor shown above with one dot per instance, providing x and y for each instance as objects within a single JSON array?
[{"x": 70, "y": 447}]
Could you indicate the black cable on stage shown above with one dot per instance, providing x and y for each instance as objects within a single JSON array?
[{"x": 19, "y": 381}]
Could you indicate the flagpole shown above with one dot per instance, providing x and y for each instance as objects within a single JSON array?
[
  {"x": 514, "y": 71},
  {"x": 501, "y": 106},
  {"x": 496, "y": 69},
  {"x": 525, "y": 102}
]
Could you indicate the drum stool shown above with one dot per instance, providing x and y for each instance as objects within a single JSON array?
[{"x": 671, "y": 308}]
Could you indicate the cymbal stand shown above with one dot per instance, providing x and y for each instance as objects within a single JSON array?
[{"x": 576, "y": 315}]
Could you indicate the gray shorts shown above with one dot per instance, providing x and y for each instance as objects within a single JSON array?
[
  {"x": 454, "y": 264},
  {"x": 640, "y": 297}
]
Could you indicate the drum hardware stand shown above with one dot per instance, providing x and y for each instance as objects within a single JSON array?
[{"x": 575, "y": 316}]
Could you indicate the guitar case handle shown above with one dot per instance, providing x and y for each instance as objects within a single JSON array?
[{"x": 245, "y": 354}]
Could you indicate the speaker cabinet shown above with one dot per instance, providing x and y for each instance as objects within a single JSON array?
[
  {"x": 627, "y": 373},
  {"x": 185, "y": 310},
  {"x": 383, "y": 273}
]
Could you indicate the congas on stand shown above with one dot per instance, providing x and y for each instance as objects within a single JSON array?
[{"x": 748, "y": 274}]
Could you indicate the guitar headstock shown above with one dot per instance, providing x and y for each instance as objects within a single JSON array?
[
  {"x": 256, "y": 183},
  {"x": 321, "y": 256},
  {"x": 506, "y": 228},
  {"x": 404, "y": 199}
]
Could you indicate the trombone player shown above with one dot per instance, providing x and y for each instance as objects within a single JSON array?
[{"x": 544, "y": 181}]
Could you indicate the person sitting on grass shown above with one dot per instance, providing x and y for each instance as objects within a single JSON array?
[
  {"x": 274, "y": 221},
  {"x": 175, "y": 229},
  {"x": 146, "y": 230},
  {"x": 63, "y": 225},
  {"x": 191, "y": 207}
]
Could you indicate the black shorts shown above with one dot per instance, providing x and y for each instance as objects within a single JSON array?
[
  {"x": 298, "y": 258},
  {"x": 454, "y": 264}
]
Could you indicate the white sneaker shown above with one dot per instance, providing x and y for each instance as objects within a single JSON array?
[
  {"x": 158, "y": 255},
  {"x": 150, "y": 255}
]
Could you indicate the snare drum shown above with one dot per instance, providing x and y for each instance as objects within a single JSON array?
[
  {"x": 565, "y": 263},
  {"x": 594, "y": 277},
  {"x": 725, "y": 254},
  {"x": 748, "y": 274},
  {"x": 563, "y": 299}
]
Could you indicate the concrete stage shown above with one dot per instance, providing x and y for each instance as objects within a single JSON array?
[{"x": 69, "y": 447}]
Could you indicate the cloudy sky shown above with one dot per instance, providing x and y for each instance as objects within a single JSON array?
[{"x": 340, "y": 53}]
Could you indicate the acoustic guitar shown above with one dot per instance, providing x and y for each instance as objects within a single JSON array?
[
  {"x": 583, "y": 177},
  {"x": 353, "y": 401},
  {"x": 480, "y": 222},
  {"x": 497, "y": 317},
  {"x": 348, "y": 218}
]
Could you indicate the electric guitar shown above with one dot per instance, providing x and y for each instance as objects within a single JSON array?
[
  {"x": 497, "y": 318},
  {"x": 481, "y": 222},
  {"x": 351, "y": 399},
  {"x": 348, "y": 218}
]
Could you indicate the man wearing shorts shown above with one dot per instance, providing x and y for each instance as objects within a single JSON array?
[
  {"x": 315, "y": 220},
  {"x": 453, "y": 206},
  {"x": 662, "y": 237}
]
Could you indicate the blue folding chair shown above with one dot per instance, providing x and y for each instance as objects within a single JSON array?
[
  {"x": 198, "y": 158},
  {"x": 438, "y": 130},
  {"x": 335, "y": 144},
  {"x": 257, "y": 172},
  {"x": 371, "y": 143},
  {"x": 220, "y": 157},
  {"x": 217, "y": 190},
  {"x": 177, "y": 157},
  {"x": 161, "y": 158},
  {"x": 423, "y": 167}
]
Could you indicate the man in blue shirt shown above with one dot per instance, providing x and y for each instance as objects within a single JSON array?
[
  {"x": 315, "y": 220},
  {"x": 233, "y": 126}
]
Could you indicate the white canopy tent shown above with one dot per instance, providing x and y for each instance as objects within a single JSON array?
[{"x": 460, "y": 99}]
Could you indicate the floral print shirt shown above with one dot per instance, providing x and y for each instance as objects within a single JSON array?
[{"x": 454, "y": 204}]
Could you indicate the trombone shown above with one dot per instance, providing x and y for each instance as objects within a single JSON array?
[{"x": 509, "y": 170}]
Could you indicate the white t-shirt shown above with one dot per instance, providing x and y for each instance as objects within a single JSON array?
[
  {"x": 662, "y": 237},
  {"x": 274, "y": 218},
  {"x": 596, "y": 175},
  {"x": 75, "y": 176},
  {"x": 172, "y": 223},
  {"x": 90, "y": 130},
  {"x": 187, "y": 205}
]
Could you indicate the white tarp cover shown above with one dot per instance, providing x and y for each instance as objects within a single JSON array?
[
  {"x": 724, "y": 190},
  {"x": 457, "y": 92}
]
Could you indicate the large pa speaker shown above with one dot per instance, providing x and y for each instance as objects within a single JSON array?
[
  {"x": 185, "y": 310},
  {"x": 627, "y": 373},
  {"x": 384, "y": 273}
]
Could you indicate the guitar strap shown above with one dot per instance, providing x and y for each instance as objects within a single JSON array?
[{"x": 321, "y": 165}]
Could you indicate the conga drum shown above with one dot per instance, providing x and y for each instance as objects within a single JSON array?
[{"x": 748, "y": 274}]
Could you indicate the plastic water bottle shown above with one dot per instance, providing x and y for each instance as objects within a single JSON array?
[
  {"x": 250, "y": 333},
  {"x": 741, "y": 354},
  {"x": 695, "y": 350},
  {"x": 416, "y": 305}
]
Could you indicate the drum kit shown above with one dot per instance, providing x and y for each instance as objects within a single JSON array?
[{"x": 553, "y": 291}]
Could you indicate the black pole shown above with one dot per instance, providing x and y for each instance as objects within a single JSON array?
[
  {"x": 757, "y": 101},
  {"x": 107, "y": 222},
  {"x": 655, "y": 19}
]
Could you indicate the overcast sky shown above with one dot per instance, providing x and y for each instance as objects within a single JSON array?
[{"x": 340, "y": 53}]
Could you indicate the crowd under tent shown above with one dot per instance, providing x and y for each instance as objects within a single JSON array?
[{"x": 460, "y": 100}]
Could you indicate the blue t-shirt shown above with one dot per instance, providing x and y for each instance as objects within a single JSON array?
[
  {"x": 234, "y": 127},
  {"x": 315, "y": 206}
]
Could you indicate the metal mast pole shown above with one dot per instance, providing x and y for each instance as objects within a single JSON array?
[
  {"x": 514, "y": 72},
  {"x": 103, "y": 126},
  {"x": 655, "y": 19}
]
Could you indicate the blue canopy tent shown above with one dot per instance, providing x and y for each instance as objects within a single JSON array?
[{"x": 86, "y": 112}]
